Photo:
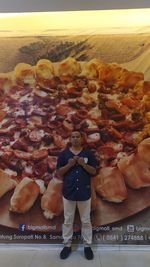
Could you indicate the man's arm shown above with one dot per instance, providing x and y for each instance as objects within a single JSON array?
[
  {"x": 67, "y": 167},
  {"x": 90, "y": 169}
]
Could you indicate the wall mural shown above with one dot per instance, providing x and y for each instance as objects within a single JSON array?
[{"x": 50, "y": 86}]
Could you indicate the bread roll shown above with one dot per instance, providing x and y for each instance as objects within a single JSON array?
[
  {"x": 6, "y": 183},
  {"x": 90, "y": 69},
  {"x": 110, "y": 73},
  {"x": 6, "y": 81},
  {"x": 144, "y": 150},
  {"x": 110, "y": 184},
  {"x": 51, "y": 201},
  {"x": 24, "y": 74},
  {"x": 135, "y": 170},
  {"x": 24, "y": 196},
  {"x": 69, "y": 66}
]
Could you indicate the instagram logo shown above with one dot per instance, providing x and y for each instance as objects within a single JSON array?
[{"x": 22, "y": 227}]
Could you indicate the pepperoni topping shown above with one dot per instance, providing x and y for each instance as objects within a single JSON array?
[
  {"x": 20, "y": 145},
  {"x": 118, "y": 107},
  {"x": 54, "y": 124},
  {"x": 63, "y": 109},
  {"x": 5, "y": 131},
  {"x": 66, "y": 79},
  {"x": 80, "y": 82},
  {"x": 21, "y": 121},
  {"x": 40, "y": 168},
  {"x": 9, "y": 122},
  {"x": 22, "y": 155},
  {"x": 82, "y": 113},
  {"x": 74, "y": 92},
  {"x": 63, "y": 133},
  {"x": 52, "y": 83},
  {"x": 40, "y": 154},
  {"x": 68, "y": 125},
  {"x": 2, "y": 114},
  {"x": 6, "y": 156},
  {"x": 58, "y": 141},
  {"x": 91, "y": 88}
]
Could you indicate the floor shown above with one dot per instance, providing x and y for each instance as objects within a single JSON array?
[{"x": 46, "y": 256}]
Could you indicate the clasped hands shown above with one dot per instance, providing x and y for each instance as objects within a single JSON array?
[{"x": 76, "y": 160}]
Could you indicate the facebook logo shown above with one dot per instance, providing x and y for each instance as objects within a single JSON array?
[
  {"x": 130, "y": 228},
  {"x": 22, "y": 227}
]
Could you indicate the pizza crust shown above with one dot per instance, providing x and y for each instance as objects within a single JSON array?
[{"x": 6, "y": 183}]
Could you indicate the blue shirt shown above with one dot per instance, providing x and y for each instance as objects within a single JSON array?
[{"x": 77, "y": 181}]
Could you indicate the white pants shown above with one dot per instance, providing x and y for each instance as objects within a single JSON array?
[{"x": 84, "y": 208}]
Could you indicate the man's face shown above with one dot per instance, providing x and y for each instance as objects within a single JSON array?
[{"x": 76, "y": 139}]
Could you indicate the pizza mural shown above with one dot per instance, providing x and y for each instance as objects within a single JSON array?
[{"x": 50, "y": 87}]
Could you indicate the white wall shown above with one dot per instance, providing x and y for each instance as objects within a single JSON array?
[{"x": 58, "y": 5}]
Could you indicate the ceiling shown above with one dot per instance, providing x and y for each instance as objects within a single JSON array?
[{"x": 66, "y": 5}]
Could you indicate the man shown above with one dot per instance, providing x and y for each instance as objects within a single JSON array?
[{"x": 77, "y": 164}]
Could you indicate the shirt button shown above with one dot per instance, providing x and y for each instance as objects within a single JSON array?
[
  {"x": 76, "y": 171},
  {"x": 77, "y": 180},
  {"x": 77, "y": 188}
]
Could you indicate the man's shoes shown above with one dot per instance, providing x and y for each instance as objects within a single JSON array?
[
  {"x": 88, "y": 253},
  {"x": 64, "y": 254}
]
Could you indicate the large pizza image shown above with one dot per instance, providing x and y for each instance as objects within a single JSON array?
[{"x": 39, "y": 108}]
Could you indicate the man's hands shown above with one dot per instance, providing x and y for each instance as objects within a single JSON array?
[
  {"x": 81, "y": 161},
  {"x": 72, "y": 162},
  {"x": 76, "y": 160}
]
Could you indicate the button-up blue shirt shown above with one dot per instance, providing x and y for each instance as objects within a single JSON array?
[{"x": 77, "y": 181}]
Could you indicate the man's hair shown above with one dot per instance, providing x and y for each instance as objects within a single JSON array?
[{"x": 79, "y": 131}]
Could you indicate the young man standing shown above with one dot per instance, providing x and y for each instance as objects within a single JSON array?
[{"x": 77, "y": 164}]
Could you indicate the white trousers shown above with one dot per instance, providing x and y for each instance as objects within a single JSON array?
[{"x": 84, "y": 208}]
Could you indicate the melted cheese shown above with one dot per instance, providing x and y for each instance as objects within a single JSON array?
[
  {"x": 20, "y": 112},
  {"x": 91, "y": 123},
  {"x": 10, "y": 172}
]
